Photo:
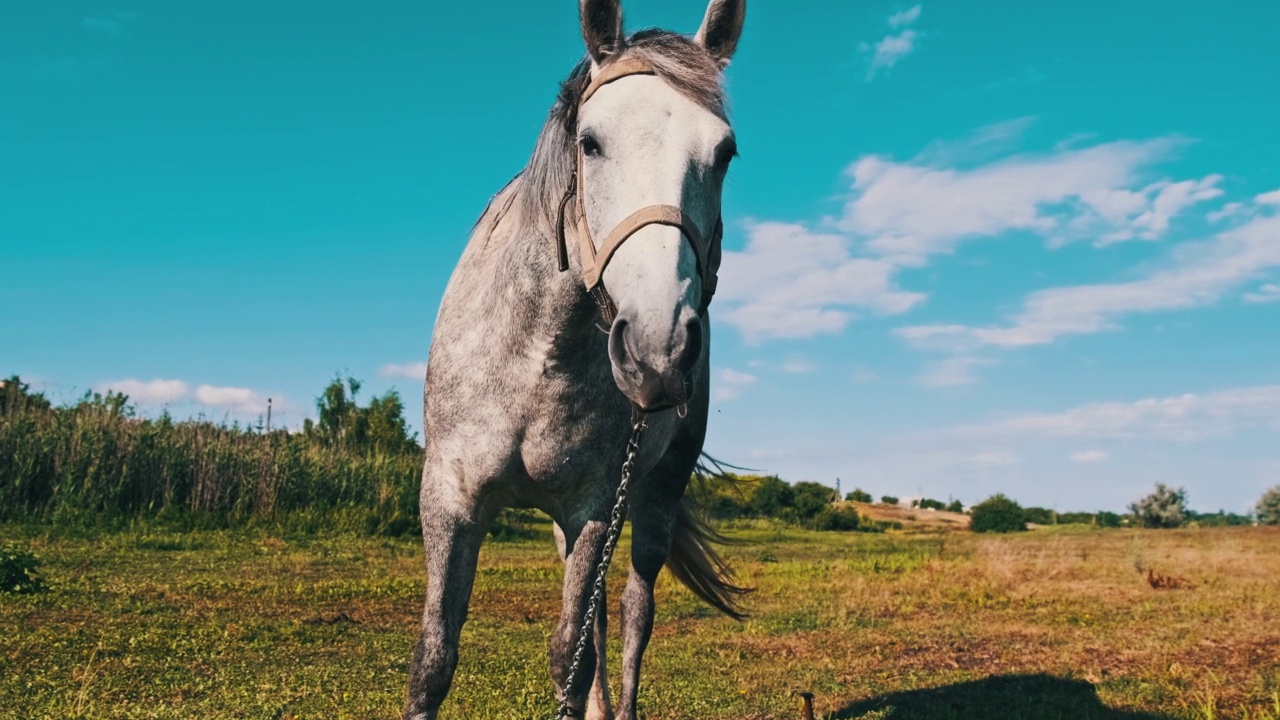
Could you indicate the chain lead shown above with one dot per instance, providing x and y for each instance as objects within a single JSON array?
[{"x": 616, "y": 521}]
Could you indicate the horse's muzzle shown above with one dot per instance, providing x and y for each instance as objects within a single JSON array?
[{"x": 655, "y": 380}]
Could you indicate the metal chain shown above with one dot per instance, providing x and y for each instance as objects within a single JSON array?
[{"x": 616, "y": 521}]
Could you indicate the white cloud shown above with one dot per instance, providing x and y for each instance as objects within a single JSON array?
[
  {"x": 413, "y": 371},
  {"x": 730, "y": 383},
  {"x": 904, "y": 18},
  {"x": 797, "y": 366},
  {"x": 790, "y": 282},
  {"x": 1268, "y": 198},
  {"x": 994, "y": 459},
  {"x": 951, "y": 372},
  {"x": 1087, "y": 457},
  {"x": 890, "y": 50},
  {"x": 1180, "y": 417},
  {"x": 233, "y": 399},
  {"x": 1231, "y": 209},
  {"x": 1268, "y": 293},
  {"x": 1197, "y": 275},
  {"x": 911, "y": 210},
  {"x": 158, "y": 392}
]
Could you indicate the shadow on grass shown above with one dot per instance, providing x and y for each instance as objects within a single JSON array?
[{"x": 1008, "y": 697}]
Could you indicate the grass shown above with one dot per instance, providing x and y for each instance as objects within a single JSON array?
[{"x": 149, "y": 622}]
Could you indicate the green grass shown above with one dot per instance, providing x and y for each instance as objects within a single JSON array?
[{"x": 149, "y": 622}]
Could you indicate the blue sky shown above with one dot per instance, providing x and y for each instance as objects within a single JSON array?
[{"x": 970, "y": 247}]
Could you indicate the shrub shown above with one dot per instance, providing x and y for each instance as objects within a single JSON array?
[
  {"x": 19, "y": 571},
  {"x": 858, "y": 495},
  {"x": 1164, "y": 508},
  {"x": 1268, "y": 510},
  {"x": 955, "y": 506},
  {"x": 997, "y": 514},
  {"x": 831, "y": 518},
  {"x": 811, "y": 498},
  {"x": 772, "y": 496},
  {"x": 1039, "y": 516},
  {"x": 888, "y": 500},
  {"x": 931, "y": 504}
]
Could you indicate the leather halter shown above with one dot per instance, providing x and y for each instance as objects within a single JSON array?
[{"x": 706, "y": 250}]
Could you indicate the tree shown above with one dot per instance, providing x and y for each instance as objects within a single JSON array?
[
  {"x": 1164, "y": 508},
  {"x": 1268, "y": 510},
  {"x": 811, "y": 498},
  {"x": 955, "y": 506},
  {"x": 1039, "y": 516},
  {"x": 858, "y": 495},
  {"x": 888, "y": 500},
  {"x": 931, "y": 504},
  {"x": 997, "y": 514},
  {"x": 772, "y": 496},
  {"x": 832, "y": 518}
]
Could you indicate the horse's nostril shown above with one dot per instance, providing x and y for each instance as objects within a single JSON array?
[
  {"x": 619, "y": 353},
  {"x": 692, "y": 351}
]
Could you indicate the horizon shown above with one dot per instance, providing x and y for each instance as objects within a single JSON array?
[{"x": 992, "y": 249}]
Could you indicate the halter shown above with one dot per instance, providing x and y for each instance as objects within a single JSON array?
[{"x": 706, "y": 251}]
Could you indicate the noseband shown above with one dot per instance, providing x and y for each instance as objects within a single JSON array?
[{"x": 705, "y": 250}]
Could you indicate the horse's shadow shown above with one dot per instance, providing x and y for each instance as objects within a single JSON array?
[{"x": 1006, "y": 697}]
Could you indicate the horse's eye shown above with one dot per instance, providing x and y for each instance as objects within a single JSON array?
[
  {"x": 590, "y": 146},
  {"x": 725, "y": 154}
]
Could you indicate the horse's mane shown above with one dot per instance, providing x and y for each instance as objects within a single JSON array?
[{"x": 679, "y": 61}]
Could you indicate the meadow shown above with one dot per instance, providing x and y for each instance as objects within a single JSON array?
[{"x": 153, "y": 621}]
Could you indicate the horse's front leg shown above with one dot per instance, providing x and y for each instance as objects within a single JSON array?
[
  {"x": 651, "y": 532},
  {"x": 581, "y": 549},
  {"x": 598, "y": 705},
  {"x": 452, "y": 536}
]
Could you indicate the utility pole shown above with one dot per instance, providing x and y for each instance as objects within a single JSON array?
[
  {"x": 839, "y": 495},
  {"x": 268, "y": 416}
]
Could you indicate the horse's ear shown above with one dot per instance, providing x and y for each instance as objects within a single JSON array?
[
  {"x": 721, "y": 28},
  {"x": 601, "y": 27}
]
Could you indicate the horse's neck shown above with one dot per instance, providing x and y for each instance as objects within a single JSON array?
[{"x": 553, "y": 309}]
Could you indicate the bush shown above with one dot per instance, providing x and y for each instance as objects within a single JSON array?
[
  {"x": 888, "y": 500},
  {"x": 841, "y": 519},
  {"x": 1268, "y": 510},
  {"x": 1164, "y": 508},
  {"x": 955, "y": 506},
  {"x": 997, "y": 514},
  {"x": 931, "y": 504},
  {"x": 858, "y": 496},
  {"x": 811, "y": 498},
  {"x": 772, "y": 496},
  {"x": 19, "y": 571},
  {"x": 1039, "y": 516}
]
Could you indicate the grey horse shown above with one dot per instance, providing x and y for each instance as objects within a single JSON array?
[{"x": 533, "y": 344}]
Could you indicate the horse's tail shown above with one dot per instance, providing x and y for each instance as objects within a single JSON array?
[{"x": 693, "y": 559}]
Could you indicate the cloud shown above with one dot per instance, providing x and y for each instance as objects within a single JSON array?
[
  {"x": 912, "y": 210},
  {"x": 886, "y": 52},
  {"x": 952, "y": 372},
  {"x": 157, "y": 392},
  {"x": 904, "y": 18},
  {"x": 796, "y": 365},
  {"x": 1180, "y": 417},
  {"x": 791, "y": 282},
  {"x": 730, "y": 383},
  {"x": 1197, "y": 274},
  {"x": 1268, "y": 198},
  {"x": 413, "y": 371},
  {"x": 234, "y": 399},
  {"x": 1087, "y": 457},
  {"x": 1231, "y": 209},
  {"x": 1268, "y": 293}
]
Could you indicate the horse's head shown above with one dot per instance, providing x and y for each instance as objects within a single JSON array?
[{"x": 654, "y": 145}]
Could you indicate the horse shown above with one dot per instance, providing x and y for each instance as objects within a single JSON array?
[{"x": 541, "y": 358}]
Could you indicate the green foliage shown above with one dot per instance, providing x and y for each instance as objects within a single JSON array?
[
  {"x": 833, "y": 518},
  {"x": 930, "y": 504},
  {"x": 997, "y": 514},
  {"x": 810, "y": 498},
  {"x": 955, "y": 506},
  {"x": 1164, "y": 508},
  {"x": 888, "y": 500},
  {"x": 96, "y": 459},
  {"x": 19, "y": 571},
  {"x": 858, "y": 495},
  {"x": 1040, "y": 516},
  {"x": 772, "y": 496},
  {"x": 1268, "y": 510}
]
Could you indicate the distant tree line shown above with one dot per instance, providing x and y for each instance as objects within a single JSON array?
[{"x": 96, "y": 457}]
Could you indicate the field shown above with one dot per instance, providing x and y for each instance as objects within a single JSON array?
[{"x": 154, "y": 623}]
